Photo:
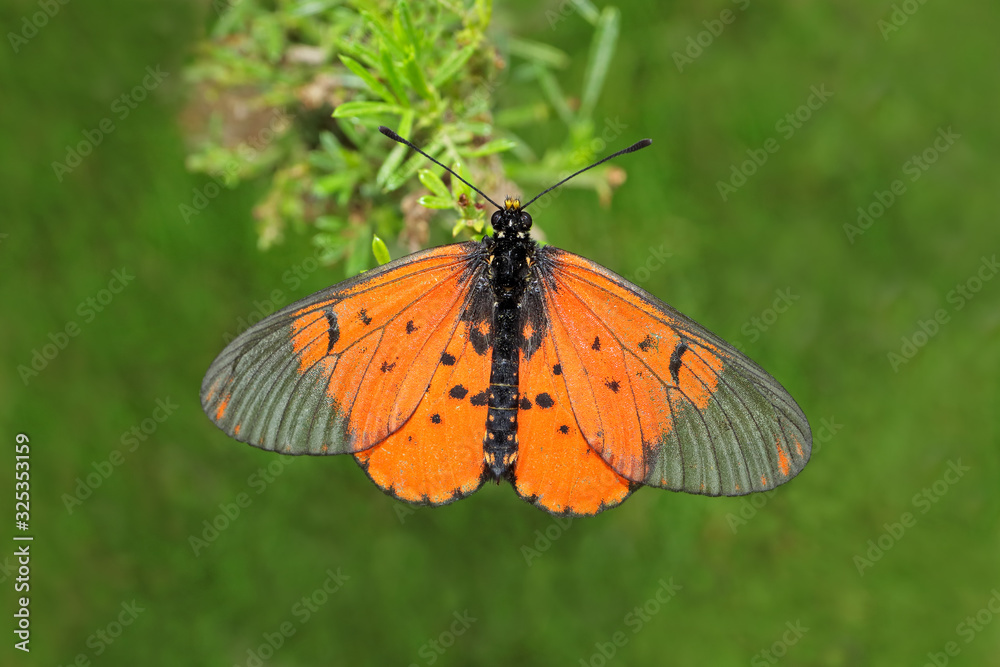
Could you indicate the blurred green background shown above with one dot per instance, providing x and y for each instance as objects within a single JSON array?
[{"x": 541, "y": 592}]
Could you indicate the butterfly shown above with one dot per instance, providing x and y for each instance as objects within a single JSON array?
[{"x": 502, "y": 360}]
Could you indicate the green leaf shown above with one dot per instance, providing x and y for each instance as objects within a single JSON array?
[
  {"x": 329, "y": 223},
  {"x": 431, "y": 181},
  {"x": 602, "y": 49},
  {"x": 329, "y": 143},
  {"x": 380, "y": 251},
  {"x": 436, "y": 202},
  {"x": 397, "y": 154},
  {"x": 406, "y": 124},
  {"x": 417, "y": 78},
  {"x": 353, "y": 109},
  {"x": 587, "y": 10},
  {"x": 392, "y": 75},
  {"x": 314, "y": 8},
  {"x": 526, "y": 114},
  {"x": 412, "y": 165},
  {"x": 358, "y": 258},
  {"x": 390, "y": 46},
  {"x": 373, "y": 84},
  {"x": 539, "y": 53},
  {"x": 405, "y": 19},
  {"x": 554, "y": 94},
  {"x": 491, "y": 147},
  {"x": 458, "y": 187},
  {"x": 452, "y": 64}
]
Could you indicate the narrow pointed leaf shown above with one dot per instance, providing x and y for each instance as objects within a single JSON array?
[{"x": 373, "y": 84}]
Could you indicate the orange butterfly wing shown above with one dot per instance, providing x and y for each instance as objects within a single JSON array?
[
  {"x": 368, "y": 367},
  {"x": 437, "y": 456},
  {"x": 556, "y": 469},
  {"x": 660, "y": 399}
]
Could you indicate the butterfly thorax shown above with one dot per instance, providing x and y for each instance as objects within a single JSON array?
[
  {"x": 511, "y": 248},
  {"x": 511, "y": 252}
]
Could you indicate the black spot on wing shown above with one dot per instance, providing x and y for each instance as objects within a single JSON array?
[
  {"x": 410, "y": 327},
  {"x": 525, "y": 404},
  {"x": 564, "y": 429},
  {"x": 612, "y": 385},
  {"x": 543, "y": 401},
  {"x": 387, "y": 367},
  {"x": 447, "y": 359},
  {"x": 333, "y": 330},
  {"x": 557, "y": 369},
  {"x": 363, "y": 316},
  {"x": 647, "y": 343},
  {"x": 675, "y": 361},
  {"x": 436, "y": 419},
  {"x": 597, "y": 344},
  {"x": 482, "y": 398},
  {"x": 458, "y": 391}
]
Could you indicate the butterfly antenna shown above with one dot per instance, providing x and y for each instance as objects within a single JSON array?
[
  {"x": 395, "y": 137},
  {"x": 631, "y": 149}
]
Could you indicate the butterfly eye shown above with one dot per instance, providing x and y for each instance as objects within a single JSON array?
[
  {"x": 495, "y": 220},
  {"x": 524, "y": 222}
]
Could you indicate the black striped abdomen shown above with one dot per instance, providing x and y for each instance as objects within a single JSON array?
[{"x": 500, "y": 443}]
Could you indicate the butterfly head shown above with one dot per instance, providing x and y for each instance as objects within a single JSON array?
[{"x": 511, "y": 221}]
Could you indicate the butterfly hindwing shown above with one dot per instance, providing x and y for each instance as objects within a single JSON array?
[
  {"x": 341, "y": 370},
  {"x": 437, "y": 456},
  {"x": 662, "y": 400}
]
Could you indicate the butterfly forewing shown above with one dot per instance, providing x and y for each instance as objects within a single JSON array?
[
  {"x": 342, "y": 369},
  {"x": 665, "y": 402}
]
